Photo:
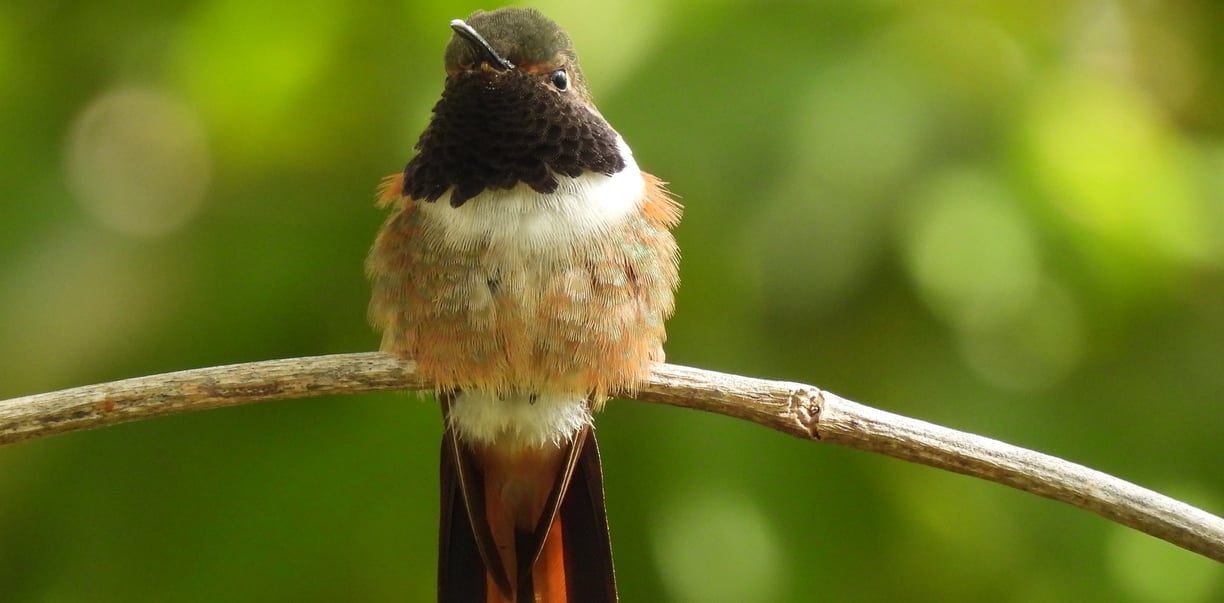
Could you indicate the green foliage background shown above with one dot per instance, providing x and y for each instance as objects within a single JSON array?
[{"x": 1006, "y": 218}]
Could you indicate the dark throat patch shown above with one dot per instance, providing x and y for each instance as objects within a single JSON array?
[{"x": 495, "y": 133}]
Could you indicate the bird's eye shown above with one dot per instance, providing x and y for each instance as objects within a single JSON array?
[{"x": 560, "y": 79}]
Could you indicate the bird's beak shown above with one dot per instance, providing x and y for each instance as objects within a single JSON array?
[{"x": 481, "y": 46}]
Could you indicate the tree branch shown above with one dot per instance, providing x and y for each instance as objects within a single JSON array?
[{"x": 792, "y": 408}]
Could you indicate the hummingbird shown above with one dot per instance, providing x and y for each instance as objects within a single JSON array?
[{"x": 527, "y": 267}]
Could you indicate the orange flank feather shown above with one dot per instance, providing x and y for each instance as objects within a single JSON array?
[
  {"x": 660, "y": 206},
  {"x": 390, "y": 190}
]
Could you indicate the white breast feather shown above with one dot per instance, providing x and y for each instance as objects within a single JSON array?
[
  {"x": 522, "y": 228},
  {"x": 529, "y": 221}
]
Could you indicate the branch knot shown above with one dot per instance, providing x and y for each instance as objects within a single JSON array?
[{"x": 805, "y": 403}]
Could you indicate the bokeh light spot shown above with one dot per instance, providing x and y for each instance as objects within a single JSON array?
[
  {"x": 861, "y": 129},
  {"x": 959, "y": 55},
  {"x": 1113, "y": 170},
  {"x": 970, "y": 250},
  {"x": 1035, "y": 349},
  {"x": 77, "y": 299},
  {"x": 815, "y": 238},
  {"x": 1209, "y": 166},
  {"x": 138, "y": 162},
  {"x": 715, "y": 548},
  {"x": 961, "y": 518},
  {"x": 247, "y": 64}
]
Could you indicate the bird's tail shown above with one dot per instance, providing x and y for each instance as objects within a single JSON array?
[{"x": 492, "y": 550}]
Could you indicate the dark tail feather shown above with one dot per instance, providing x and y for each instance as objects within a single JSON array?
[
  {"x": 461, "y": 573},
  {"x": 573, "y": 548},
  {"x": 589, "y": 576},
  {"x": 573, "y": 559},
  {"x": 524, "y": 550},
  {"x": 463, "y": 576}
]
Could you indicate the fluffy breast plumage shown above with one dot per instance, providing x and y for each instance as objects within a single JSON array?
[{"x": 517, "y": 290}]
